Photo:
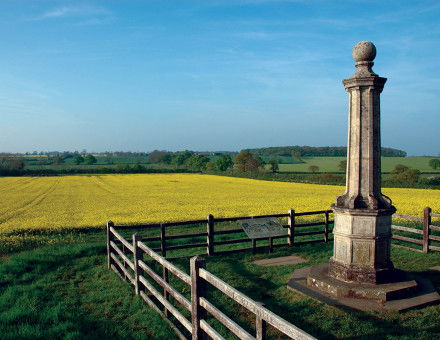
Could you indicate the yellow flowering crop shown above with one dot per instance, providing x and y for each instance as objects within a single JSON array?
[{"x": 28, "y": 203}]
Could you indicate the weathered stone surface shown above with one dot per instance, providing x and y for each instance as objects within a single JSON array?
[
  {"x": 361, "y": 246},
  {"x": 404, "y": 286},
  {"x": 408, "y": 292},
  {"x": 364, "y": 51}
]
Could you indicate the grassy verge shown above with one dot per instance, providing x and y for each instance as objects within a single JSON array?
[{"x": 64, "y": 290}]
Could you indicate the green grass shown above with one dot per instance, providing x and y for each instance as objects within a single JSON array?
[
  {"x": 330, "y": 164},
  {"x": 64, "y": 290},
  {"x": 67, "y": 292}
]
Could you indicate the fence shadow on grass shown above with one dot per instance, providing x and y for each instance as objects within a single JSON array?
[{"x": 431, "y": 275}]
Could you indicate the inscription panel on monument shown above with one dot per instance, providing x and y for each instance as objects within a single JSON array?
[
  {"x": 362, "y": 252},
  {"x": 262, "y": 227}
]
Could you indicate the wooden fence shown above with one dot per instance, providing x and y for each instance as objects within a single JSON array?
[
  {"x": 425, "y": 232},
  {"x": 292, "y": 234},
  {"x": 127, "y": 260}
]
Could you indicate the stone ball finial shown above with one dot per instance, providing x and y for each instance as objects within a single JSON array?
[{"x": 364, "y": 51}]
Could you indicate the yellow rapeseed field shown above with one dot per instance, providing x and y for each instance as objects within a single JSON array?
[{"x": 28, "y": 203}]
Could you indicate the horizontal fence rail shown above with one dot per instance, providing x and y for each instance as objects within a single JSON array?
[
  {"x": 425, "y": 232},
  {"x": 212, "y": 233},
  {"x": 127, "y": 260}
]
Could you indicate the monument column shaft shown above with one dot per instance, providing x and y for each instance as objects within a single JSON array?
[
  {"x": 363, "y": 163},
  {"x": 363, "y": 152}
]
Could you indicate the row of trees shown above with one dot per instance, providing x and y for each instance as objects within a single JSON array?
[
  {"x": 191, "y": 160},
  {"x": 11, "y": 165},
  {"x": 296, "y": 151},
  {"x": 243, "y": 162}
]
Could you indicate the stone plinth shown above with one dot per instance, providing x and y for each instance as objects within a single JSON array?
[
  {"x": 362, "y": 241},
  {"x": 406, "y": 292}
]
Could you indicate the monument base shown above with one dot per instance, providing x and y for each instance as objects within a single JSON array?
[
  {"x": 361, "y": 274},
  {"x": 362, "y": 243},
  {"x": 408, "y": 291}
]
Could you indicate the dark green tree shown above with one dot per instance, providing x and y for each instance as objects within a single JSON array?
[
  {"x": 197, "y": 162},
  {"x": 274, "y": 165},
  {"x": 138, "y": 168},
  {"x": 78, "y": 159},
  {"x": 210, "y": 166},
  {"x": 434, "y": 163},
  {"x": 342, "y": 166},
  {"x": 90, "y": 159},
  {"x": 180, "y": 158},
  {"x": 57, "y": 159},
  {"x": 224, "y": 162},
  {"x": 166, "y": 158},
  {"x": 404, "y": 174}
]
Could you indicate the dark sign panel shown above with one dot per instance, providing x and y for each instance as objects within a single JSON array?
[{"x": 262, "y": 227}]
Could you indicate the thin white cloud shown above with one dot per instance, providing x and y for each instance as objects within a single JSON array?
[{"x": 75, "y": 11}]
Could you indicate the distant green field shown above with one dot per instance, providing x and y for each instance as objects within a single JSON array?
[
  {"x": 101, "y": 160},
  {"x": 96, "y": 166},
  {"x": 325, "y": 164},
  {"x": 330, "y": 164}
]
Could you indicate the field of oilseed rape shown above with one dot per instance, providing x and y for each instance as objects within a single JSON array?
[{"x": 33, "y": 203}]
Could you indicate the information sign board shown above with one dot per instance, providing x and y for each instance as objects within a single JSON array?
[{"x": 262, "y": 227}]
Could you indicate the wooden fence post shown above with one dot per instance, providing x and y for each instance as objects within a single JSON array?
[
  {"x": 426, "y": 224},
  {"x": 137, "y": 255},
  {"x": 166, "y": 295},
  {"x": 163, "y": 245},
  {"x": 109, "y": 238},
  {"x": 254, "y": 246},
  {"x": 210, "y": 237},
  {"x": 270, "y": 245},
  {"x": 291, "y": 228},
  {"x": 261, "y": 326},
  {"x": 123, "y": 262},
  {"x": 198, "y": 287},
  {"x": 326, "y": 219}
]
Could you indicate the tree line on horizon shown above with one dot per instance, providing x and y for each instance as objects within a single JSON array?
[
  {"x": 265, "y": 152},
  {"x": 315, "y": 151}
]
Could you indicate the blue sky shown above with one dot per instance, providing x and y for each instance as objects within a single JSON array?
[{"x": 211, "y": 75}]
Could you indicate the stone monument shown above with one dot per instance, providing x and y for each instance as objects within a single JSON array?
[
  {"x": 360, "y": 274},
  {"x": 362, "y": 214}
]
